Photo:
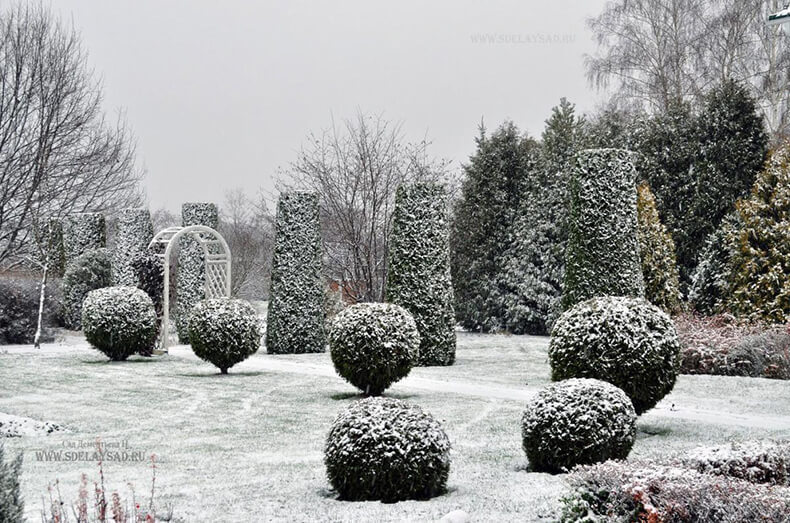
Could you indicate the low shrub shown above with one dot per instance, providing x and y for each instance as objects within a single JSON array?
[
  {"x": 373, "y": 345},
  {"x": 87, "y": 272},
  {"x": 119, "y": 321},
  {"x": 19, "y": 301},
  {"x": 627, "y": 342},
  {"x": 224, "y": 331},
  {"x": 577, "y": 421},
  {"x": 755, "y": 461},
  {"x": 386, "y": 449},
  {"x": 12, "y": 508}
]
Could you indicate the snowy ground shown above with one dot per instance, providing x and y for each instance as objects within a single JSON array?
[{"x": 248, "y": 446}]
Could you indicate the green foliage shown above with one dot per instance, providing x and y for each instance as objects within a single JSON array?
[
  {"x": 657, "y": 251},
  {"x": 54, "y": 252},
  {"x": 418, "y": 276},
  {"x": 602, "y": 258},
  {"x": 295, "y": 322},
  {"x": 224, "y": 332},
  {"x": 627, "y": 342},
  {"x": 12, "y": 508},
  {"x": 135, "y": 232},
  {"x": 83, "y": 232},
  {"x": 119, "y": 321},
  {"x": 711, "y": 283},
  {"x": 19, "y": 302},
  {"x": 89, "y": 271},
  {"x": 373, "y": 345}
]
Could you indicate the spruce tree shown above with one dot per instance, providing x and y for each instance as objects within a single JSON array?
[
  {"x": 497, "y": 178},
  {"x": 295, "y": 321},
  {"x": 418, "y": 276}
]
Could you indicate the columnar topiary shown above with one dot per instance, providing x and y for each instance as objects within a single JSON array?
[
  {"x": 386, "y": 449},
  {"x": 149, "y": 270},
  {"x": 418, "y": 276},
  {"x": 90, "y": 271},
  {"x": 373, "y": 345},
  {"x": 577, "y": 422},
  {"x": 627, "y": 342},
  {"x": 224, "y": 331},
  {"x": 295, "y": 321},
  {"x": 191, "y": 275},
  {"x": 602, "y": 258},
  {"x": 54, "y": 252},
  {"x": 119, "y": 321},
  {"x": 135, "y": 232},
  {"x": 83, "y": 232}
]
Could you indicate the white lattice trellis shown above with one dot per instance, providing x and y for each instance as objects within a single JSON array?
[{"x": 216, "y": 255}]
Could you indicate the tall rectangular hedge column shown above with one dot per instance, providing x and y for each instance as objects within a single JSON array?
[
  {"x": 191, "y": 275},
  {"x": 83, "y": 232},
  {"x": 135, "y": 232},
  {"x": 54, "y": 252},
  {"x": 602, "y": 258},
  {"x": 295, "y": 322},
  {"x": 418, "y": 276}
]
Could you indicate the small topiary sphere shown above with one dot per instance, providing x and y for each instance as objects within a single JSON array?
[
  {"x": 627, "y": 342},
  {"x": 119, "y": 321},
  {"x": 224, "y": 331},
  {"x": 373, "y": 345},
  {"x": 386, "y": 449},
  {"x": 577, "y": 422}
]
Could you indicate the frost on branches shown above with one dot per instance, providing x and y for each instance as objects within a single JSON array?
[
  {"x": 191, "y": 276},
  {"x": 135, "y": 232},
  {"x": 418, "y": 276},
  {"x": 602, "y": 258},
  {"x": 83, "y": 232},
  {"x": 295, "y": 321}
]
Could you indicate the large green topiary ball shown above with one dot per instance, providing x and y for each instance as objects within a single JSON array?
[
  {"x": 119, "y": 321},
  {"x": 224, "y": 331},
  {"x": 577, "y": 422},
  {"x": 386, "y": 449},
  {"x": 373, "y": 345},
  {"x": 627, "y": 342}
]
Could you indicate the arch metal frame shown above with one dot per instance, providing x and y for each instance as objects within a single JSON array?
[{"x": 217, "y": 262}]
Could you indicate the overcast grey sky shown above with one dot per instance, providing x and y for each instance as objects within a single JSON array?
[{"x": 222, "y": 93}]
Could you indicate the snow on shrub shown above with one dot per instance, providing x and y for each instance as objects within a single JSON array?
[
  {"x": 711, "y": 281},
  {"x": 191, "y": 275},
  {"x": 87, "y": 272},
  {"x": 295, "y": 321},
  {"x": 83, "y": 232},
  {"x": 386, "y": 449},
  {"x": 577, "y": 421},
  {"x": 643, "y": 491},
  {"x": 373, "y": 345},
  {"x": 54, "y": 252},
  {"x": 755, "y": 461},
  {"x": 418, "y": 277},
  {"x": 19, "y": 301},
  {"x": 627, "y": 342},
  {"x": 119, "y": 321},
  {"x": 602, "y": 258},
  {"x": 224, "y": 332},
  {"x": 135, "y": 232},
  {"x": 149, "y": 271}
]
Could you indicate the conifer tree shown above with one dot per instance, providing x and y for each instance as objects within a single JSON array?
[{"x": 135, "y": 231}]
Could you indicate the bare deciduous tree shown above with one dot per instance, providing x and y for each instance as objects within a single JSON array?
[{"x": 58, "y": 152}]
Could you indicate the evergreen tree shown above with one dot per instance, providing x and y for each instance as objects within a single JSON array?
[
  {"x": 711, "y": 282},
  {"x": 657, "y": 252},
  {"x": 12, "y": 508},
  {"x": 418, "y": 276},
  {"x": 135, "y": 232},
  {"x": 498, "y": 177}
]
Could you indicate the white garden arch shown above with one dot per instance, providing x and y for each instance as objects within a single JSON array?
[{"x": 216, "y": 255}]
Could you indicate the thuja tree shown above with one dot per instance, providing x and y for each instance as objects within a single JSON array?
[
  {"x": 191, "y": 275},
  {"x": 83, "y": 232},
  {"x": 657, "y": 252},
  {"x": 52, "y": 246},
  {"x": 295, "y": 321},
  {"x": 711, "y": 282},
  {"x": 418, "y": 276},
  {"x": 602, "y": 258},
  {"x": 135, "y": 232}
]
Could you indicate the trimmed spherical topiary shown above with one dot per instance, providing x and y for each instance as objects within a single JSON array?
[
  {"x": 627, "y": 342},
  {"x": 386, "y": 449},
  {"x": 224, "y": 331},
  {"x": 577, "y": 422},
  {"x": 119, "y": 321},
  {"x": 89, "y": 271},
  {"x": 373, "y": 345}
]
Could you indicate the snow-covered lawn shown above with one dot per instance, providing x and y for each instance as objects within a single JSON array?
[{"x": 248, "y": 446}]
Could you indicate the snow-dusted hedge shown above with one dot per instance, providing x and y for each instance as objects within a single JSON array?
[
  {"x": 627, "y": 342},
  {"x": 418, "y": 276},
  {"x": 295, "y": 321},
  {"x": 577, "y": 422},
  {"x": 135, "y": 232},
  {"x": 54, "y": 252},
  {"x": 373, "y": 345},
  {"x": 602, "y": 258},
  {"x": 83, "y": 232},
  {"x": 757, "y": 461},
  {"x": 386, "y": 449},
  {"x": 224, "y": 331},
  {"x": 89, "y": 271},
  {"x": 191, "y": 275},
  {"x": 19, "y": 301},
  {"x": 119, "y": 321}
]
